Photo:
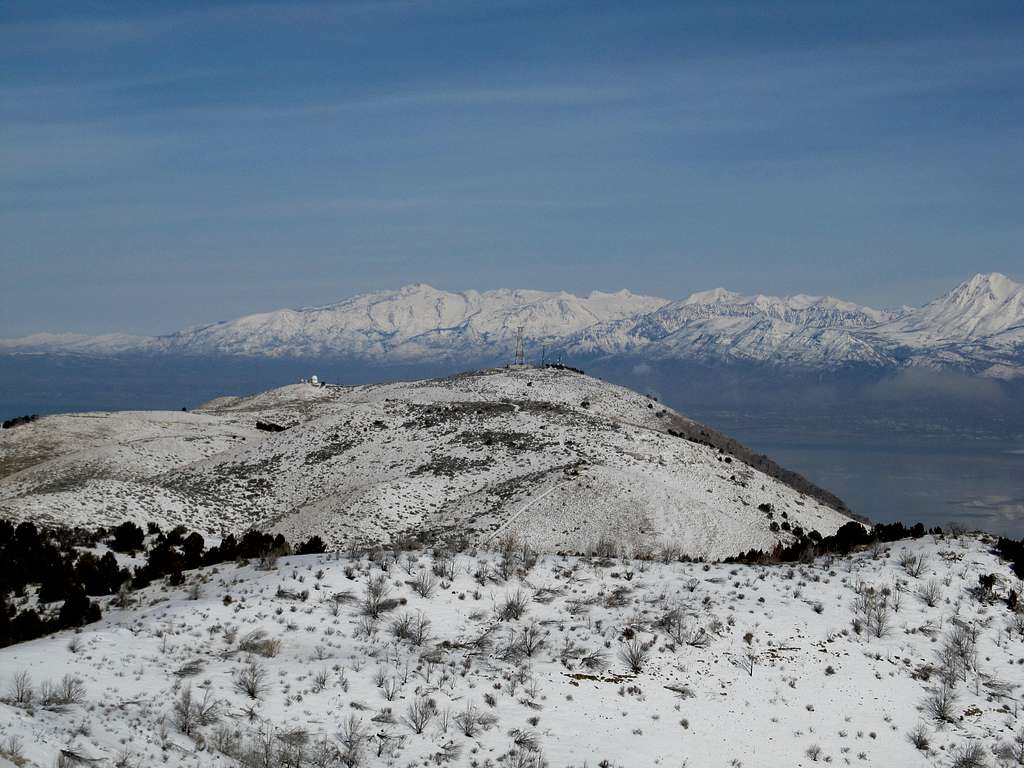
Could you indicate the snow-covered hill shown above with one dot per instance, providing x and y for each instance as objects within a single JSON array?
[
  {"x": 558, "y": 458},
  {"x": 887, "y": 657},
  {"x": 978, "y": 327}
]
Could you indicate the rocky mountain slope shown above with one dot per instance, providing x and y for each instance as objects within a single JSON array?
[
  {"x": 723, "y": 325},
  {"x": 559, "y": 459},
  {"x": 978, "y": 327},
  {"x": 887, "y": 657}
]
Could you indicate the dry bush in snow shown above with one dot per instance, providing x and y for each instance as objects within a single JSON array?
[
  {"x": 969, "y": 755},
  {"x": 1012, "y": 751},
  {"x": 22, "y": 692},
  {"x": 190, "y": 714},
  {"x": 251, "y": 680},
  {"x": 635, "y": 655},
  {"x": 257, "y": 642},
  {"x": 514, "y": 606},
  {"x": 919, "y": 737},
  {"x": 871, "y": 610},
  {"x": 939, "y": 704},
  {"x": 420, "y": 712},
  {"x": 424, "y": 584},
  {"x": 375, "y": 599},
  {"x": 930, "y": 592}
]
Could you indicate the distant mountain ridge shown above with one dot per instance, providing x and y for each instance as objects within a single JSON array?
[
  {"x": 978, "y": 327},
  {"x": 412, "y": 322}
]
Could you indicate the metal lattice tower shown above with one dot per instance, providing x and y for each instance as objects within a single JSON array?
[{"x": 520, "y": 348}]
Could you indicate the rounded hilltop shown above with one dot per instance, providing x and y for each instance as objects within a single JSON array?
[{"x": 553, "y": 457}]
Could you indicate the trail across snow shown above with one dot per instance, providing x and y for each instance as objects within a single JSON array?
[{"x": 504, "y": 526}]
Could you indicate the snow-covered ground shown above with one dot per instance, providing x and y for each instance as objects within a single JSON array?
[
  {"x": 560, "y": 459},
  {"x": 775, "y": 673}
]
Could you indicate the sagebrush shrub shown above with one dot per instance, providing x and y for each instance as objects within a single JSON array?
[{"x": 634, "y": 654}]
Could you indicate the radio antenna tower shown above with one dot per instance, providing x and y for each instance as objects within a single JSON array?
[{"x": 520, "y": 349}]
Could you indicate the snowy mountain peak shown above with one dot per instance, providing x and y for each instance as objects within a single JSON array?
[
  {"x": 714, "y": 296},
  {"x": 990, "y": 287},
  {"x": 987, "y": 307}
]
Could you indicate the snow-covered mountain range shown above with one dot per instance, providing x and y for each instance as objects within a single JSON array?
[{"x": 977, "y": 327}]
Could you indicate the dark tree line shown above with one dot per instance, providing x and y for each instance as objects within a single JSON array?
[
  {"x": 563, "y": 367},
  {"x": 60, "y": 564},
  {"x": 851, "y": 536},
  {"x": 17, "y": 421},
  {"x": 49, "y": 559},
  {"x": 1012, "y": 550}
]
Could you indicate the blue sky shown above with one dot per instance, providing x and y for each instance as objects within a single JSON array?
[{"x": 168, "y": 164}]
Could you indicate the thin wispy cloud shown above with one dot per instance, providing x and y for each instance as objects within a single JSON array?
[
  {"x": 77, "y": 32},
  {"x": 457, "y": 131}
]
